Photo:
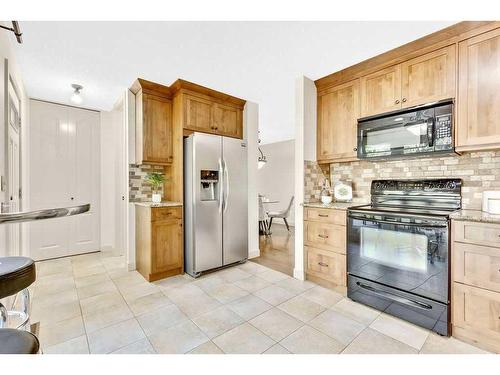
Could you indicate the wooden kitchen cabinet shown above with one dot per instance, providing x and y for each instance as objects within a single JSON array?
[
  {"x": 428, "y": 78},
  {"x": 159, "y": 241},
  {"x": 154, "y": 129},
  {"x": 325, "y": 246},
  {"x": 475, "y": 302},
  {"x": 227, "y": 120},
  {"x": 338, "y": 112},
  {"x": 198, "y": 114},
  {"x": 478, "y": 123},
  {"x": 381, "y": 91}
]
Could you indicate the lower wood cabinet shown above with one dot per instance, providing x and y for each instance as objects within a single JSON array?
[
  {"x": 159, "y": 242},
  {"x": 475, "y": 299},
  {"x": 325, "y": 246}
]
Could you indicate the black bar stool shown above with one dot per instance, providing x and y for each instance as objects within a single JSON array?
[
  {"x": 14, "y": 341},
  {"x": 16, "y": 275}
]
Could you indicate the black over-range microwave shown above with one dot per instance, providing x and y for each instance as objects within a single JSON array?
[{"x": 426, "y": 129}]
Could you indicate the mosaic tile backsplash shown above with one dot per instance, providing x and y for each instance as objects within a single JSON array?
[
  {"x": 139, "y": 189},
  {"x": 479, "y": 171}
]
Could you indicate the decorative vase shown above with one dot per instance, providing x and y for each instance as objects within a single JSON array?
[{"x": 156, "y": 198}]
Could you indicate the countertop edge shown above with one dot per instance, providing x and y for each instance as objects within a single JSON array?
[
  {"x": 477, "y": 216},
  {"x": 158, "y": 205}
]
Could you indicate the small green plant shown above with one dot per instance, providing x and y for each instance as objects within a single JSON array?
[{"x": 156, "y": 180}]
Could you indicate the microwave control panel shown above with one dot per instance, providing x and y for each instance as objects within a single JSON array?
[{"x": 443, "y": 132}]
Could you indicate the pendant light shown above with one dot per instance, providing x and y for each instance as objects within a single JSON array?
[
  {"x": 76, "y": 98},
  {"x": 262, "y": 158}
]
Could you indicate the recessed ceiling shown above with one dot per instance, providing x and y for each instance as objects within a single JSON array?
[{"x": 256, "y": 61}]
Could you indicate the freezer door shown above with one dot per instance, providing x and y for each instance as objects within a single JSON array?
[
  {"x": 207, "y": 228},
  {"x": 235, "y": 207}
]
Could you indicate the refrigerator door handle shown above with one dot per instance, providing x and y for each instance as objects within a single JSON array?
[
  {"x": 226, "y": 180},
  {"x": 221, "y": 186}
]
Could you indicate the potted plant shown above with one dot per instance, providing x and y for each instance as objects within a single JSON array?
[{"x": 156, "y": 181}]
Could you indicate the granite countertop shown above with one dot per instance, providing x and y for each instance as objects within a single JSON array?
[
  {"x": 475, "y": 215},
  {"x": 333, "y": 205},
  {"x": 162, "y": 204}
]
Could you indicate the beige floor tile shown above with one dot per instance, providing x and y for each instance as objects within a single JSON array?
[
  {"x": 398, "y": 329},
  {"x": 82, "y": 282},
  {"x": 54, "y": 299},
  {"x": 83, "y": 271},
  {"x": 130, "y": 278},
  {"x": 218, "y": 321},
  {"x": 149, "y": 302},
  {"x": 109, "y": 339},
  {"x": 233, "y": 274},
  {"x": 142, "y": 346},
  {"x": 323, "y": 296},
  {"x": 252, "y": 268},
  {"x": 294, "y": 285},
  {"x": 95, "y": 289},
  {"x": 113, "y": 263},
  {"x": 373, "y": 342},
  {"x": 436, "y": 344},
  {"x": 107, "y": 316},
  {"x": 192, "y": 300},
  {"x": 178, "y": 339},
  {"x": 61, "y": 331},
  {"x": 249, "y": 306},
  {"x": 78, "y": 345},
  {"x": 209, "y": 281},
  {"x": 274, "y": 295},
  {"x": 277, "y": 349},
  {"x": 361, "y": 313},
  {"x": 244, "y": 339},
  {"x": 301, "y": 308},
  {"x": 337, "y": 326},
  {"x": 252, "y": 284},
  {"x": 138, "y": 290},
  {"x": 225, "y": 293},
  {"x": 307, "y": 340},
  {"x": 59, "y": 267},
  {"x": 101, "y": 301},
  {"x": 174, "y": 281},
  {"x": 273, "y": 276},
  {"x": 207, "y": 348},
  {"x": 161, "y": 318},
  {"x": 276, "y": 324},
  {"x": 52, "y": 284},
  {"x": 53, "y": 314},
  {"x": 184, "y": 293},
  {"x": 86, "y": 258}
]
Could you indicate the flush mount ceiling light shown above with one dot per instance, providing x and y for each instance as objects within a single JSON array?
[{"x": 77, "y": 95}]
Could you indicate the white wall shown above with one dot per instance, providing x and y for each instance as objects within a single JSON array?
[
  {"x": 305, "y": 149},
  {"x": 276, "y": 180},
  {"x": 7, "y": 52},
  {"x": 251, "y": 135}
]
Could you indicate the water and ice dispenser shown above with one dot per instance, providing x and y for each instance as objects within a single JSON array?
[{"x": 209, "y": 185}]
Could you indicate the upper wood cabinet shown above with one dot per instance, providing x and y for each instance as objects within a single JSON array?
[
  {"x": 478, "y": 122},
  {"x": 228, "y": 120},
  {"x": 429, "y": 77},
  {"x": 338, "y": 111},
  {"x": 198, "y": 114},
  {"x": 154, "y": 134},
  {"x": 421, "y": 80},
  {"x": 381, "y": 91}
]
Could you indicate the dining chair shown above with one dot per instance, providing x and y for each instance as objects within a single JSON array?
[
  {"x": 281, "y": 215},
  {"x": 263, "y": 218}
]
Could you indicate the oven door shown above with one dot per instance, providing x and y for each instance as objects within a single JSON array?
[
  {"x": 396, "y": 135},
  {"x": 408, "y": 254}
]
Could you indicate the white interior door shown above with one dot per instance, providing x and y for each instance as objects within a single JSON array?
[
  {"x": 14, "y": 169},
  {"x": 64, "y": 172},
  {"x": 121, "y": 177}
]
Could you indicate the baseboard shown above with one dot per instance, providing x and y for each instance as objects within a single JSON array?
[
  {"x": 253, "y": 254},
  {"x": 299, "y": 274}
]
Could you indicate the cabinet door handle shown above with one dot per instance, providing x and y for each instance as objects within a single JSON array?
[
  {"x": 404, "y": 100},
  {"x": 355, "y": 149},
  {"x": 322, "y": 235},
  {"x": 322, "y": 215},
  {"x": 323, "y": 264},
  {"x": 397, "y": 101}
]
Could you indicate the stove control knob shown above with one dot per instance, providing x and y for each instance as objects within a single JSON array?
[{"x": 451, "y": 185}]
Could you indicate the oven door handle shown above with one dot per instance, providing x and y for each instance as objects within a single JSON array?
[
  {"x": 421, "y": 225},
  {"x": 394, "y": 297}
]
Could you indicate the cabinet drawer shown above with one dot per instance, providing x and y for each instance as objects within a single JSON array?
[
  {"x": 476, "y": 316},
  {"x": 166, "y": 213},
  {"x": 477, "y": 265},
  {"x": 325, "y": 215},
  {"x": 325, "y": 236},
  {"x": 477, "y": 233},
  {"x": 326, "y": 265}
]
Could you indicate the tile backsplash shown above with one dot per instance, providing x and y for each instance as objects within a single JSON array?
[
  {"x": 139, "y": 189},
  {"x": 479, "y": 171}
]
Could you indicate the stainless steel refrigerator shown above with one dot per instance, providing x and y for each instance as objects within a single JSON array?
[{"x": 215, "y": 202}]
